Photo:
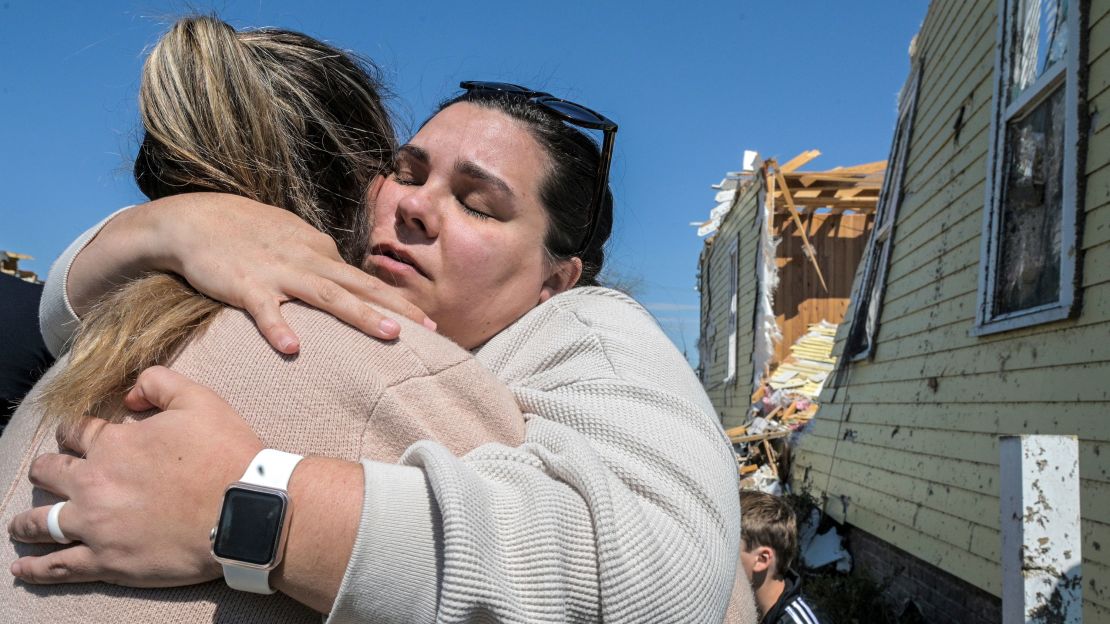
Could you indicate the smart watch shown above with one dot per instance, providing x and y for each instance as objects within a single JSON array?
[{"x": 249, "y": 538}]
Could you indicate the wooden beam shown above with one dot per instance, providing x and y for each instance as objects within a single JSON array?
[
  {"x": 800, "y": 160},
  {"x": 759, "y": 437},
  {"x": 871, "y": 167},
  {"x": 810, "y": 251},
  {"x": 807, "y": 178}
]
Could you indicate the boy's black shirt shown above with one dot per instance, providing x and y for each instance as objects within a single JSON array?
[{"x": 790, "y": 608}]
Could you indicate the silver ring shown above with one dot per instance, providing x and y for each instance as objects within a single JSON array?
[{"x": 53, "y": 526}]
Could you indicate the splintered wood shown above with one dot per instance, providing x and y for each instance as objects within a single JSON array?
[{"x": 783, "y": 403}]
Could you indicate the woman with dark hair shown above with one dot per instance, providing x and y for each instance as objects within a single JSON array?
[{"x": 619, "y": 505}]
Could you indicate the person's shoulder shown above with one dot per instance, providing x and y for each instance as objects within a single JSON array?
[
  {"x": 797, "y": 611},
  {"x": 598, "y": 333},
  {"x": 608, "y": 314},
  {"x": 330, "y": 345},
  {"x": 591, "y": 299}
]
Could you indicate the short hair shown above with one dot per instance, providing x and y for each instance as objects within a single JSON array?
[{"x": 767, "y": 520}]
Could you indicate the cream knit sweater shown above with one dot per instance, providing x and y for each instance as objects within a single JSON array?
[{"x": 620, "y": 505}]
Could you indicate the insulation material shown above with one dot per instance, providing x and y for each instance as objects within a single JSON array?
[
  {"x": 804, "y": 373},
  {"x": 821, "y": 549},
  {"x": 767, "y": 331}
]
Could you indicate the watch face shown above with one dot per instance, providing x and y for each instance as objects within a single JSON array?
[{"x": 250, "y": 524}]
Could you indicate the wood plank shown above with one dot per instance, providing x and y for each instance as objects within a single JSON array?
[
  {"x": 992, "y": 418},
  {"x": 801, "y": 228},
  {"x": 958, "y": 204},
  {"x": 759, "y": 437},
  {"x": 954, "y": 277},
  {"x": 800, "y": 160},
  {"x": 966, "y": 505},
  {"x": 1066, "y": 346},
  {"x": 967, "y": 56},
  {"x": 1086, "y": 382},
  {"x": 871, "y": 167},
  {"x": 934, "y": 143},
  {"x": 958, "y": 561},
  {"x": 942, "y": 338}
]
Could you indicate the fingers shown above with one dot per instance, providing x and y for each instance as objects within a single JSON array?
[
  {"x": 157, "y": 387},
  {"x": 54, "y": 473},
  {"x": 336, "y": 300},
  {"x": 75, "y": 564},
  {"x": 30, "y": 526},
  {"x": 373, "y": 290},
  {"x": 267, "y": 316},
  {"x": 343, "y": 291},
  {"x": 79, "y": 438}
]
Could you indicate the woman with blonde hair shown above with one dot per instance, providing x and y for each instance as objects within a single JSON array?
[
  {"x": 620, "y": 503},
  {"x": 276, "y": 117}
]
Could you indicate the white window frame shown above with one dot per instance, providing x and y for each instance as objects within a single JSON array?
[
  {"x": 1070, "y": 72},
  {"x": 869, "y": 289},
  {"x": 733, "y": 295}
]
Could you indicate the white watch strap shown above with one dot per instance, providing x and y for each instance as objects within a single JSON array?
[
  {"x": 248, "y": 579},
  {"x": 272, "y": 469}
]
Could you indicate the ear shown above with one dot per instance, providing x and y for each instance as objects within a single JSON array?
[
  {"x": 562, "y": 276},
  {"x": 764, "y": 559}
]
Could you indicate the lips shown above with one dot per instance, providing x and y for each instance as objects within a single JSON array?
[{"x": 394, "y": 259}]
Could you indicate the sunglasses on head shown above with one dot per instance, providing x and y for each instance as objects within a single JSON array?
[{"x": 572, "y": 113}]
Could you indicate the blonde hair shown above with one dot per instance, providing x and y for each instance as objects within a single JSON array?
[{"x": 271, "y": 115}]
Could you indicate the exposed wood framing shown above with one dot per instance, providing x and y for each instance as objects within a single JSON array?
[
  {"x": 800, "y": 160},
  {"x": 808, "y": 246}
]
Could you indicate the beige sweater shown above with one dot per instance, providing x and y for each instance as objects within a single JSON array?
[{"x": 346, "y": 395}]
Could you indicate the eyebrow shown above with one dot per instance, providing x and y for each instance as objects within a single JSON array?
[
  {"x": 465, "y": 167},
  {"x": 472, "y": 170},
  {"x": 414, "y": 152}
]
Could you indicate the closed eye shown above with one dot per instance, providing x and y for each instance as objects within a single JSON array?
[{"x": 474, "y": 213}]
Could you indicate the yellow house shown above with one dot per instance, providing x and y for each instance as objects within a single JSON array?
[
  {"x": 780, "y": 255},
  {"x": 982, "y": 305}
]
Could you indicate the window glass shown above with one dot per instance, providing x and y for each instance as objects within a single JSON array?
[
  {"x": 1032, "y": 202},
  {"x": 1040, "y": 41}
]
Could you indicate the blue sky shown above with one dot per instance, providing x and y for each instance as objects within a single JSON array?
[{"x": 692, "y": 85}]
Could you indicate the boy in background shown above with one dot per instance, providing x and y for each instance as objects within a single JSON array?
[{"x": 769, "y": 544}]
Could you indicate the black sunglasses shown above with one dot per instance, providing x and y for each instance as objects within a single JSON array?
[{"x": 571, "y": 113}]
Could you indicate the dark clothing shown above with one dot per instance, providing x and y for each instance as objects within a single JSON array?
[
  {"x": 23, "y": 355},
  {"x": 790, "y": 608}
]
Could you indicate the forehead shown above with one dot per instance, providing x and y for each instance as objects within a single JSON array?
[{"x": 487, "y": 137}]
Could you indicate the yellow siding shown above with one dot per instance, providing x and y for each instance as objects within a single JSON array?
[
  {"x": 906, "y": 448},
  {"x": 732, "y": 399}
]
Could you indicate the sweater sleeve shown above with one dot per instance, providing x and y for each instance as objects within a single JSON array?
[
  {"x": 621, "y": 505},
  {"x": 57, "y": 320}
]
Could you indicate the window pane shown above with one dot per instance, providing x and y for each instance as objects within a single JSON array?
[
  {"x": 1028, "y": 273},
  {"x": 1040, "y": 40}
]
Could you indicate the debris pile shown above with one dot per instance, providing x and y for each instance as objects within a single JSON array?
[
  {"x": 784, "y": 403},
  {"x": 9, "y": 265}
]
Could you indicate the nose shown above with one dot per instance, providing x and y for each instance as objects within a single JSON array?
[{"x": 417, "y": 211}]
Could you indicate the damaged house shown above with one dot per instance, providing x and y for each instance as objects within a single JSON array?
[
  {"x": 981, "y": 309},
  {"x": 775, "y": 275}
]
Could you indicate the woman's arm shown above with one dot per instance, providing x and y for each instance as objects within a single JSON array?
[
  {"x": 235, "y": 250},
  {"x": 621, "y": 504}
]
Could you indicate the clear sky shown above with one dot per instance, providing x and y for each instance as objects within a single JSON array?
[{"x": 692, "y": 85}]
